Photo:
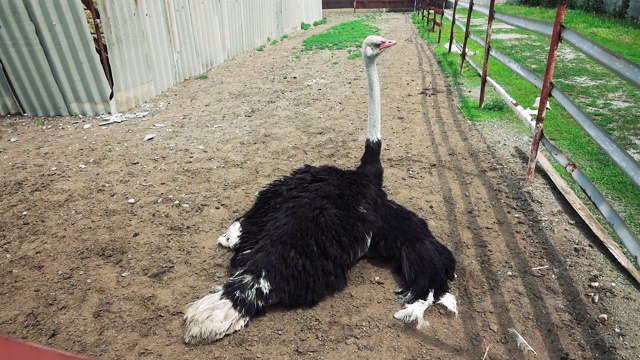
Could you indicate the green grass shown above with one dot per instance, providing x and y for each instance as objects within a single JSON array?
[
  {"x": 202, "y": 77},
  {"x": 609, "y": 101},
  {"x": 629, "y": 296},
  {"x": 320, "y": 22},
  {"x": 621, "y": 36},
  {"x": 345, "y": 36},
  {"x": 305, "y": 26},
  {"x": 260, "y": 48}
]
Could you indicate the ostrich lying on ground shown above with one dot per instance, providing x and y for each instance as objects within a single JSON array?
[{"x": 304, "y": 232}]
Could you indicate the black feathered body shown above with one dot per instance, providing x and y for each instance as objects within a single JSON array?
[
  {"x": 302, "y": 235},
  {"x": 404, "y": 238},
  {"x": 424, "y": 264}
]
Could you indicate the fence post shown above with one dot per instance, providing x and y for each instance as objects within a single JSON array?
[
  {"x": 453, "y": 24},
  {"x": 546, "y": 86},
  {"x": 466, "y": 35},
  {"x": 487, "y": 50}
]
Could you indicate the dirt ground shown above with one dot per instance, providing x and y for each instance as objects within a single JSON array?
[{"x": 86, "y": 269}]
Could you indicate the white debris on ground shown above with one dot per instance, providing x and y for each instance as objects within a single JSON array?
[
  {"x": 316, "y": 81},
  {"x": 120, "y": 117},
  {"x": 536, "y": 105}
]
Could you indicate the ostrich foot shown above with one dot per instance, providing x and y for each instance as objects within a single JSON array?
[
  {"x": 415, "y": 311},
  {"x": 211, "y": 318},
  {"x": 230, "y": 239}
]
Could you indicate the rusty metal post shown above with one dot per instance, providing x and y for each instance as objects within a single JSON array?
[
  {"x": 444, "y": 3},
  {"x": 453, "y": 24},
  {"x": 101, "y": 49},
  {"x": 487, "y": 50},
  {"x": 433, "y": 8},
  {"x": 466, "y": 35},
  {"x": 556, "y": 36}
]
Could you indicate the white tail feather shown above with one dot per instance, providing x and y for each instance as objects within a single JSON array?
[
  {"x": 522, "y": 343},
  {"x": 211, "y": 318},
  {"x": 231, "y": 237}
]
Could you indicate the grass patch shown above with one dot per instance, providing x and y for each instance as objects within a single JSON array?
[
  {"x": 320, "y": 22},
  {"x": 305, "y": 26},
  {"x": 202, "y": 77},
  {"x": 346, "y": 36},
  {"x": 620, "y": 36},
  {"x": 605, "y": 98},
  {"x": 627, "y": 295}
]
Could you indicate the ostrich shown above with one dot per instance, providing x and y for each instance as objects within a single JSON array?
[{"x": 305, "y": 231}]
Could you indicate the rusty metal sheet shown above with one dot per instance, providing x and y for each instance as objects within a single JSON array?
[{"x": 8, "y": 103}]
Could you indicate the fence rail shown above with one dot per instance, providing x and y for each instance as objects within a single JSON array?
[{"x": 616, "y": 63}]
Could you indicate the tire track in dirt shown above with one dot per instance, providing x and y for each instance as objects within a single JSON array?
[
  {"x": 485, "y": 249},
  {"x": 452, "y": 192},
  {"x": 542, "y": 309},
  {"x": 490, "y": 260}
]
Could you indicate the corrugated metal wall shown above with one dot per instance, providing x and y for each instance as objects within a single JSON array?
[
  {"x": 48, "y": 55},
  {"x": 52, "y": 67}
]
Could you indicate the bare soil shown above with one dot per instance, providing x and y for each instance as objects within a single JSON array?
[{"x": 85, "y": 270}]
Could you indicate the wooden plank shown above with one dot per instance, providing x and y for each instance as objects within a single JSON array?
[{"x": 588, "y": 218}]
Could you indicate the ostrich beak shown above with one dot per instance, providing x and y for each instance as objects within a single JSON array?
[{"x": 387, "y": 44}]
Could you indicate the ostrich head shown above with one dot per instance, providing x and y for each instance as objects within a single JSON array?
[{"x": 373, "y": 46}]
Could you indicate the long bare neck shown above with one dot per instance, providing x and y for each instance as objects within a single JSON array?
[{"x": 373, "y": 131}]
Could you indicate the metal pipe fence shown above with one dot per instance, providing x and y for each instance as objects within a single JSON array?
[{"x": 617, "y": 64}]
